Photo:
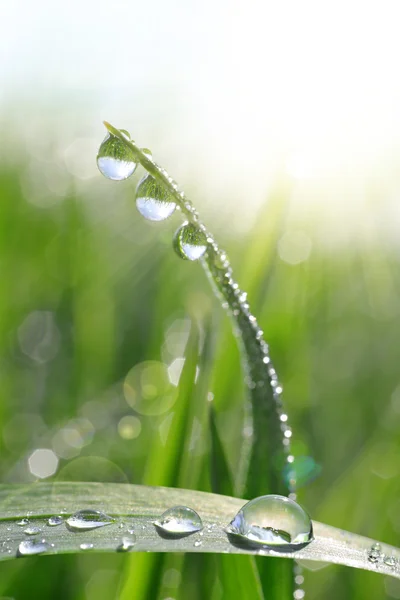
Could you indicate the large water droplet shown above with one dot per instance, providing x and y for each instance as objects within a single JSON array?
[
  {"x": 153, "y": 200},
  {"x": 272, "y": 521},
  {"x": 115, "y": 159},
  {"x": 179, "y": 521},
  {"x": 190, "y": 242},
  {"x": 29, "y": 547},
  {"x": 54, "y": 521},
  {"x": 88, "y": 519},
  {"x": 127, "y": 543}
]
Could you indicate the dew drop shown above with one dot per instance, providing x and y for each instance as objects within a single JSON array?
[
  {"x": 374, "y": 553},
  {"x": 86, "y": 546},
  {"x": 153, "y": 200},
  {"x": 390, "y": 561},
  {"x": 88, "y": 519},
  {"x": 272, "y": 521},
  {"x": 197, "y": 544},
  {"x": 54, "y": 521},
  {"x": 179, "y": 520},
  {"x": 32, "y": 530},
  {"x": 115, "y": 159},
  {"x": 127, "y": 544},
  {"x": 29, "y": 547},
  {"x": 190, "y": 242},
  {"x": 23, "y": 522}
]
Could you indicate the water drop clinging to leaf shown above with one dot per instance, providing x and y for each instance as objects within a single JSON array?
[
  {"x": 190, "y": 242},
  {"x": 115, "y": 159}
]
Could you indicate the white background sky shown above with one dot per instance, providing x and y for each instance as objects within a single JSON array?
[{"x": 314, "y": 83}]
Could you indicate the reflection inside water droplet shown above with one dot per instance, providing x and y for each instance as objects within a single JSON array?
[
  {"x": 179, "y": 520},
  {"x": 274, "y": 521},
  {"x": 190, "y": 242},
  {"x": 153, "y": 200},
  {"x": 88, "y": 519},
  {"x": 115, "y": 159},
  {"x": 29, "y": 547}
]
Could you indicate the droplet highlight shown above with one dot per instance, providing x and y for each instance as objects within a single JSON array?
[
  {"x": 179, "y": 521},
  {"x": 30, "y": 547},
  {"x": 115, "y": 159},
  {"x": 86, "y": 546},
  {"x": 88, "y": 519},
  {"x": 153, "y": 200},
  {"x": 190, "y": 242},
  {"x": 274, "y": 521}
]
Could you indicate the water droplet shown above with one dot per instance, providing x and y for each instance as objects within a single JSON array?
[
  {"x": 86, "y": 546},
  {"x": 23, "y": 522},
  {"x": 374, "y": 553},
  {"x": 197, "y": 543},
  {"x": 148, "y": 153},
  {"x": 88, "y": 519},
  {"x": 131, "y": 530},
  {"x": 153, "y": 200},
  {"x": 127, "y": 544},
  {"x": 190, "y": 242},
  {"x": 179, "y": 520},
  {"x": 32, "y": 530},
  {"x": 115, "y": 160},
  {"x": 272, "y": 521},
  {"x": 390, "y": 561},
  {"x": 54, "y": 521},
  {"x": 29, "y": 547}
]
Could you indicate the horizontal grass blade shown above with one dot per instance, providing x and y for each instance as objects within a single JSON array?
[{"x": 137, "y": 506}]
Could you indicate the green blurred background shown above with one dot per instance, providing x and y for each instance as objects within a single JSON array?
[{"x": 282, "y": 125}]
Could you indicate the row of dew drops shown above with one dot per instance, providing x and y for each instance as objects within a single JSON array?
[
  {"x": 155, "y": 202},
  {"x": 268, "y": 522}
]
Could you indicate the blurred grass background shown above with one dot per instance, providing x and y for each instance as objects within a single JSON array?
[{"x": 288, "y": 144}]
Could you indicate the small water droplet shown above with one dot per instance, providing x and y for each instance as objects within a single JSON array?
[
  {"x": 23, "y": 522},
  {"x": 131, "y": 530},
  {"x": 190, "y": 242},
  {"x": 32, "y": 530},
  {"x": 54, "y": 521},
  {"x": 148, "y": 153},
  {"x": 86, "y": 546},
  {"x": 390, "y": 561},
  {"x": 127, "y": 544},
  {"x": 153, "y": 200},
  {"x": 88, "y": 519},
  {"x": 115, "y": 160},
  {"x": 197, "y": 543},
  {"x": 29, "y": 547},
  {"x": 272, "y": 521},
  {"x": 179, "y": 520},
  {"x": 374, "y": 553}
]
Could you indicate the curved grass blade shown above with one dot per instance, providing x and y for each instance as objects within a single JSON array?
[{"x": 137, "y": 507}]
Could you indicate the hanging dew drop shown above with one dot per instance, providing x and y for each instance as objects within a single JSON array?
[
  {"x": 153, "y": 200},
  {"x": 88, "y": 519},
  {"x": 55, "y": 521},
  {"x": 179, "y": 521},
  {"x": 190, "y": 242},
  {"x": 115, "y": 159},
  {"x": 273, "y": 521},
  {"x": 29, "y": 547}
]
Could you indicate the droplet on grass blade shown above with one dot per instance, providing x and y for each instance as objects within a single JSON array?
[
  {"x": 55, "y": 521},
  {"x": 272, "y": 521},
  {"x": 115, "y": 159},
  {"x": 190, "y": 242},
  {"x": 29, "y": 547},
  {"x": 179, "y": 521},
  {"x": 86, "y": 519},
  {"x": 153, "y": 200}
]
